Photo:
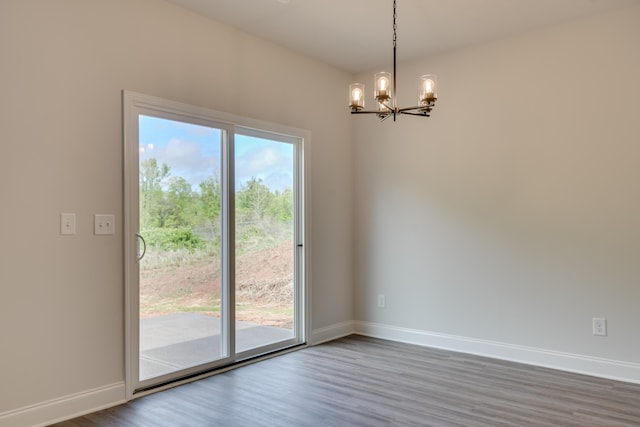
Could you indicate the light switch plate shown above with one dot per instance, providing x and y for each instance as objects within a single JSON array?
[
  {"x": 104, "y": 224},
  {"x": 67, "y": 224}
]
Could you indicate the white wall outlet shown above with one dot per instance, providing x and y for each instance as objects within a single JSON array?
[
  {"x": 382, "y": 302},
  {"x": 600, "y": 326},
  {"x": 104, "y": 224},
  {"x": 67, "y": 224}
]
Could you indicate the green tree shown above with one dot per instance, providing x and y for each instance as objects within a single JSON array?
[
  {"x": 281, "y": 206},
  {"x": 210, "y": 202},
  {"x": 179, "y": 208},
  {"x": 151, "y": 178},
  {"x": 253, "y": 200}
]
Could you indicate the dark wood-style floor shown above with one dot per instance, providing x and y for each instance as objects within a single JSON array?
[{"x": 359, "y": 381}]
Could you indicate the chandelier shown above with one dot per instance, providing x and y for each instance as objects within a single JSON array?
[{"x": 384, "y": 94}]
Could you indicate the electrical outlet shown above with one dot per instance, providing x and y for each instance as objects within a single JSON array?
[
  {"x": 382, "y": 302},
  {"x": 600, "y": 326}
]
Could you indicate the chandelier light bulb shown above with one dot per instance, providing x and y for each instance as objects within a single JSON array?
[
  {"x": 356, "y": 96},
  {"x": 383, "y": 83},
  {"x": 382, "y": 91},
  {"x": 428, "y": 88}
]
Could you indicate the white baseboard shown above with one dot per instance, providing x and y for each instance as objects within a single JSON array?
[
  {"x": 75, "y": 405},
  {"x": 332, "y": 332},
  {"x": 587, "y": 365},
  {"x": 65, "y": 408}
]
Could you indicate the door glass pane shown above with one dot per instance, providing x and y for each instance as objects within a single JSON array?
[
  {"x": 180, "y": 204},
  {"x": 264, "y": 234}
]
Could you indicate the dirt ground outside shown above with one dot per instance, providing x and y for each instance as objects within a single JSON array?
[{"x": 264, "y": 286}]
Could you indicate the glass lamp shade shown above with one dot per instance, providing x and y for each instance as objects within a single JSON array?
[
  {"x": 428, "y": 88},
  {"x": 383, "y": 108},
  {"x": 356, "y": 96},
  {"x": 382, "y": 86}
]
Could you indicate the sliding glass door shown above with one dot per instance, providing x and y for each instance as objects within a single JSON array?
[
  {"x": 265, "y": 197},
  {"x": 181, "y": 298},
  {"x": 214, "y": 241}
]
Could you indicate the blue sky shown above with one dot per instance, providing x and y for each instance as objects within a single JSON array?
[{"x": 193, "y": 152}]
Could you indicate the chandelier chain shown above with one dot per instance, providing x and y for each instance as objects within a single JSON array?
[{"x": 395, "y": 26}]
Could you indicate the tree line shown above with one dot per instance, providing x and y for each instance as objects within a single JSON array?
[{"x": 174, "y": 215}]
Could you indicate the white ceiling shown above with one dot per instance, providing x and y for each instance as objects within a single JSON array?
[{"x": 356, "y": 35}]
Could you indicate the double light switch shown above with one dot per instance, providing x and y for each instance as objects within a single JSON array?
[{"x": 102, "y": 224}]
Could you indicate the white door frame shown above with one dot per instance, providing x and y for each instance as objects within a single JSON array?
[{"x": 135, "y": 104}]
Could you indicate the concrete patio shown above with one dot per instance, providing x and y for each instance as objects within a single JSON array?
[{"x": 182, "y": 340}]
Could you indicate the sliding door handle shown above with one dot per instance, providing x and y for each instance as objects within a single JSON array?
[{"x": 144, "y": 247}]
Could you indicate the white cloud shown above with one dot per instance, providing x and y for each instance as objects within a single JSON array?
[
  {"x": 185, "y": 159},
  {"x": 269, "y": 163}
]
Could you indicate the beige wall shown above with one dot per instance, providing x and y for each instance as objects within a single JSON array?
[
  {"x": 513, "y": 214},
  {"x": 63, "y": 65}
]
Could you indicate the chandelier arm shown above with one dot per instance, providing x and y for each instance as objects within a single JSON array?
[
  {"x": 365, "y": 112},
  {"x": 414, "y": 114},
  {"x": 417, "y": 107},
  {"x": 382, "y": 116}
]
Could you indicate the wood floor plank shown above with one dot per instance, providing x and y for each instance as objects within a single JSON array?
[{"x": 360, "y": 381}]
